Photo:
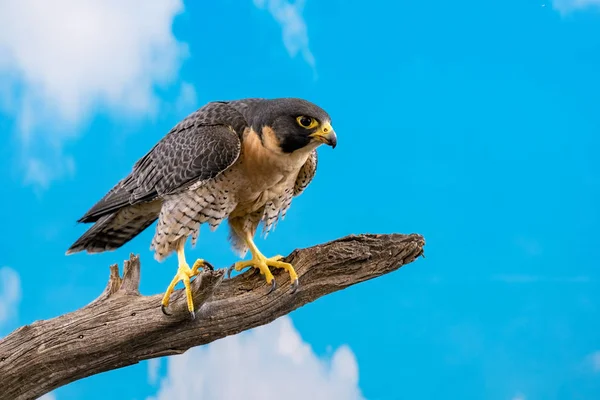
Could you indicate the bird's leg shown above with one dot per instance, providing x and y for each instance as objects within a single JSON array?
[
  {"x": 184, "y": 273},
  {"x": 262, "y": 263}
]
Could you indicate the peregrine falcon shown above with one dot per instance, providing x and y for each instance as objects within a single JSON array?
[{"x": 242, "y": 160}]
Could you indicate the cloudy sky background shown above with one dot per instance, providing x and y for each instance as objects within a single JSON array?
[{"x": 473, "y": 124}]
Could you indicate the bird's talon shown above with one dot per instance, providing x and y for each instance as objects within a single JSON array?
[
  {"x": 163, "y": 308},
  {"x": 295, "y": 286},
  {"x": 200, "y": 263},
  {"x": 229, "y": 271},
  {"x": 192, "y": 315},
  {"x": 273, "y": 286},
  {"x": 208, "y": 266}
]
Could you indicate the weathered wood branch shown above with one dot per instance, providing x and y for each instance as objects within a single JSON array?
[{"x": 122, "y": 327}]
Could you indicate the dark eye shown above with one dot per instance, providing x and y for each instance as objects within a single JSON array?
[{"x": 306, "y": 122}]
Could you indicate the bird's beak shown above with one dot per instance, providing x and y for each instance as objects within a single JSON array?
[{"x": 326, "y": 135}]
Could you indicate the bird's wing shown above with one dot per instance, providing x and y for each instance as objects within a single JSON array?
[
  {"x": 306, "y": 174},
  {"x": 197, "y": 149}
]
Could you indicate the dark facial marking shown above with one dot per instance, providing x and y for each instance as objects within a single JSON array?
[{"x": 281, "y": 115}]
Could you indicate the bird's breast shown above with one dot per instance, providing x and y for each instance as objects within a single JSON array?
[
  {"x": 257, "y": 187},
  {"x": 263, "y": 175}
]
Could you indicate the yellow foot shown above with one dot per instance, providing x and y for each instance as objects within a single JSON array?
[
  {"x": 185, "y": 273},
  {"x": 263, "y": 263}
]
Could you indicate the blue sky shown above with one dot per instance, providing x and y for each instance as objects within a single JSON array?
[{"x": 473, "y": 123}]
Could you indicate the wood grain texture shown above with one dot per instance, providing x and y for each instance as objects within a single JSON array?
[{"x": 122, "y": 327}]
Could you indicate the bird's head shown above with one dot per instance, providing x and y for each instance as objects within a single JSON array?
[{"x": 295, "y": 124}]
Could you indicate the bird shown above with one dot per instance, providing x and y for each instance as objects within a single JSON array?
[{"x": 243, "y": 161}]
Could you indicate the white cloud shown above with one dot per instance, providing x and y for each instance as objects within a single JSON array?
[
  {"x": 187, "y": 98},
  {"x": 153, "y": 369},
  {"x": 519, "y": 397},
  {"x": 565, "y": 6},
  {"x": 10, "y": 293},
  {"x": 268, "y": 362},
  {"x": 48, "y": 396},
  {"x": 293, "y": 26},
  {"x": 62, "y": 61}
]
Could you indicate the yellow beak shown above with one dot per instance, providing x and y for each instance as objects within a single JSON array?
[{"x": 326, "y": 135}]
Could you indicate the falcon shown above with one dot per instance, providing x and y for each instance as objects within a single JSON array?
[{"x": 242, "y": 160}]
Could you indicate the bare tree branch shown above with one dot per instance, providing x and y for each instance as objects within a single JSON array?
[{"x": 122, "y": 327}]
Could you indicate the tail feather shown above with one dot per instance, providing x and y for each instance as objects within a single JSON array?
[{"x": 114, "y": 230}]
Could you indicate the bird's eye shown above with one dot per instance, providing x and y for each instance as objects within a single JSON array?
[{"x": 307, "y": 122}]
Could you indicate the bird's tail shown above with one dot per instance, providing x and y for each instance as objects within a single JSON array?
[{"x": 114, "y": 230}]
